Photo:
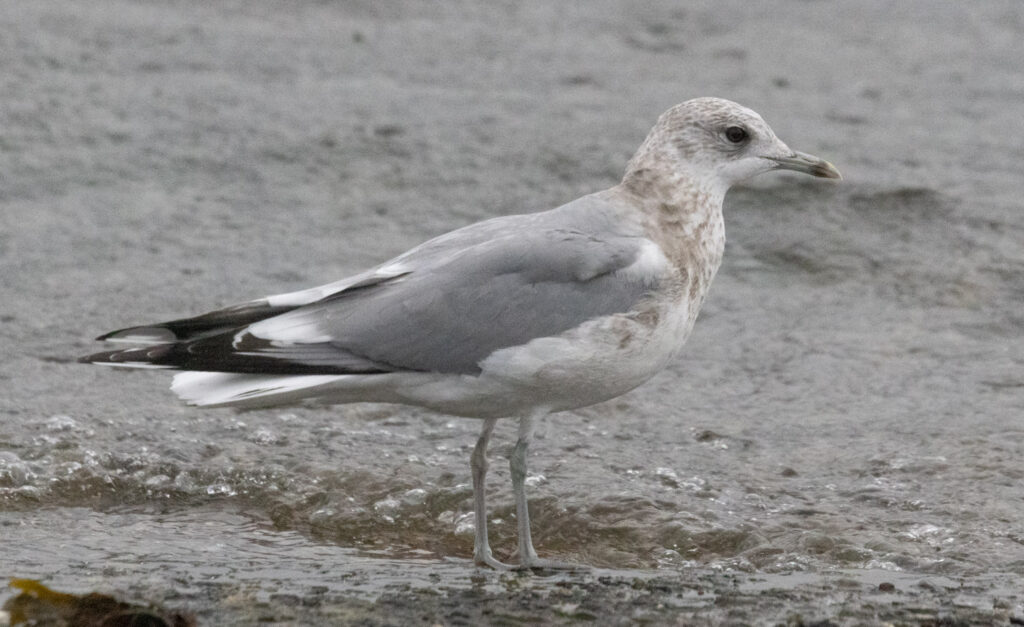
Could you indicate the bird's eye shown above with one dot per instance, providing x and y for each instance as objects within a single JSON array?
[{"x": 736, "y": 134}]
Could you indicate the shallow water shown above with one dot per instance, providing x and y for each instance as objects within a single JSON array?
[{"x": 850, "y": 402}]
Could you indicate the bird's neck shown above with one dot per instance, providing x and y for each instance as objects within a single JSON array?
[
  {"x": 682, "y": 213},
  {"x": 686, "y": 209}
]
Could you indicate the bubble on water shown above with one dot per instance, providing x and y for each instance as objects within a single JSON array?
[
  {"x": 928, "y": 533},
  {"x": 30, "y": 491},
  {"x": 13, "y": 471},
  {"x": 535, "y": 480},
  {"x": 61, "y": 422},
  {"x": 220, "y": 489},
  {"x": 184, "y": 481},
  {"x": 416, "y": 496},
  {"x": 465, "y": 524},
  {"x": 322, "y": 515},
  {"x": 881, "y": 565},
  {"x": 668, "y": 477},
  {"x": 67, "y": 468},
  {"x": 920, "y": 531},
  {"x": 156, "y": 480},
  {"x": 669, "y": 557},
  {"x": 387, "y": 506},
  {"x": 266, "y": 436},
  {"x": 696, "y": 484},
  {"x": 44, "y": 441}
]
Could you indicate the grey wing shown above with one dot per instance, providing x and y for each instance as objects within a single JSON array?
[{"x": 450, "y": 313}]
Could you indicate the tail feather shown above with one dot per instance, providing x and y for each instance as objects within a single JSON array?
[{"x": 229, "y": 389}]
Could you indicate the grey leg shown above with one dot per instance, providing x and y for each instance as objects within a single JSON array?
[
  {"x": 517, "y": 463},
  {"x": 478, "y": 464}
]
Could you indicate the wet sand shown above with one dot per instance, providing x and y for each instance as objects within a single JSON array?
[{"x": 847, "y": 413}]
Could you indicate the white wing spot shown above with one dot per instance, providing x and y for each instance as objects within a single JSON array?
[{"x": 649, "y": 265}]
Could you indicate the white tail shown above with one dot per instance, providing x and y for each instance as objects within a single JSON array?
[{"x": 230, "y": 389}]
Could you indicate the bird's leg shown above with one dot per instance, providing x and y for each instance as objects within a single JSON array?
[
  {"x": 517, "y": 463},
  {"x": 478, "y": 463}
]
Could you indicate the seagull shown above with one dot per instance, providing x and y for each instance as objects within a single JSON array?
[{"x": 516, "y": 316}]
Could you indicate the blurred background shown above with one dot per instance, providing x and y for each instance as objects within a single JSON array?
[{"x": 850, "y": 400}]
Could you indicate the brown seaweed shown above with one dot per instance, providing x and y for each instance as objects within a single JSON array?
[{"x": 39, "y": 605}]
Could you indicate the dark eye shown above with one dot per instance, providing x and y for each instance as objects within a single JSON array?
[{"x": 736, "y": 134}]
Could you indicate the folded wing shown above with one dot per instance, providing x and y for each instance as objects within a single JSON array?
[{"x": 442, "y": 310}]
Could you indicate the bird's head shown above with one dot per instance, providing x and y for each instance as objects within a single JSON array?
[{"x": 719, "y": 143}]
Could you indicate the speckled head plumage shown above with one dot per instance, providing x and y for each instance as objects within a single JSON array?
[{"x": 716, "y": 143}]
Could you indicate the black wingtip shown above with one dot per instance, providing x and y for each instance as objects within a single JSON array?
[
  {"x": 149, "y": 334},
  {"x": 97, "y": 358}
]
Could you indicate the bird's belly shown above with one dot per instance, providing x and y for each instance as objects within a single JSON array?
[{"x": 594, "y": 362}]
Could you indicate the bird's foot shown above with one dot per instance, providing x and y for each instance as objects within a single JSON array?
[
  {"x": 539, "y": 563},
  {"x": 486, "y": 559}
]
